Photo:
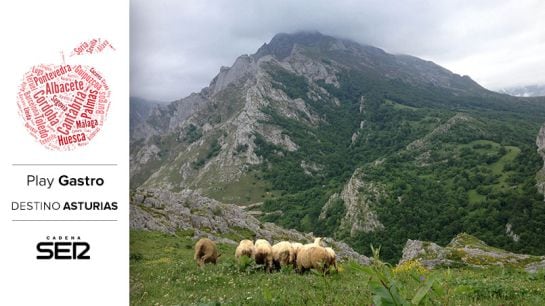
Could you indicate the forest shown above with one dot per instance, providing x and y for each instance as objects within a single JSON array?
[{"x": 449, "y": 162}]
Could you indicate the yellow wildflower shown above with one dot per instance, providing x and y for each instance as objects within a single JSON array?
[{"x": 410, "y": 266}]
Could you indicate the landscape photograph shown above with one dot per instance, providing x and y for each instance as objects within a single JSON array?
[{"x": 337, "y": 153}]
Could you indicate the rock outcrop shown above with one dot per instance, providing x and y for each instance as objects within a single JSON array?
[
  {"x": 165, "y": 211},
  {"x": 467, "y": 250},
  {"x": 540, "y": 176},
  {"x": 358, "y": 197},
  {"x": 440, "y": 130}
]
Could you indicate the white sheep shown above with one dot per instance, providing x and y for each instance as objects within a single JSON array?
[
  {"x": 245, "y": 248},
  {"x": 313, "y": 257},
  {"x": 296, "y": 247},
  {"x": 332, "y": 258},
  {"x": 263, "y": 254},
  {"x": 283, "y": 254}
]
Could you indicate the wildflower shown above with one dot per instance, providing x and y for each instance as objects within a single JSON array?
[{"x": 410, "y": 266}]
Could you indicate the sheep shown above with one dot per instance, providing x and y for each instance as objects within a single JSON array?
[
  {"x": 245, "y": 248},
  {"x": 332, "y": 258},
  {"x": 299, "y": 246},
  {"x": 205, "y": 252},
  {"x": 263, "y": 254},
  {"x": 313, "y": 257},
  {"x": 317, "y": 242},
  {"x": 283, "y": 254},
  {"x": 296, "y": 247}
]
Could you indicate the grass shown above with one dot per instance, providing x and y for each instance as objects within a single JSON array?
[
  {"x": 162, "y": 272},
  {"x": 496, "y": 168},
  {"x": 398, "y": 106},
  {"x": 246, "y": 190},
  {"x": 475, "y": 197}
]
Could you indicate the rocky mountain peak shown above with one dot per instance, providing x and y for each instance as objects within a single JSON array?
[
  {"x": 281, "y": 45},
  {"x": 244, "y": 66}
]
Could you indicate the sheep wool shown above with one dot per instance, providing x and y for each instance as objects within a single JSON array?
[
  {"x": 296, "y": 247},
  {"x": 283, "y": 254},
  {"x": 263, "y": 254},
  {"x": 313, "y": 257},
  {"x": 245, "y": 248},
  {"x": 317, "y": 242},
  {"x": 205, "y": 252},
  {"x": 332, "y": 258}
]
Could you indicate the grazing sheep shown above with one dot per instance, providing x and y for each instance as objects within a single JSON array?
[
  {"x": 313, "y": 257},
  {"x": 245, "y": 248},
  {"x": 205, "y": 252},
  {"x": 263, "y": 254},
  {"x": 283, "y": 254},
  {"x": 332, "y": 258},
  {"x": 296, "y": 247}
]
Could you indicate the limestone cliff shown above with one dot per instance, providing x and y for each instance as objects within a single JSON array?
[
  {"x": 358, "y": 197},
  {"x": 540, "y": 176}
]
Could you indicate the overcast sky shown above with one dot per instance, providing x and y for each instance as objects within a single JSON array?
[{"x": 177, "y": 47}]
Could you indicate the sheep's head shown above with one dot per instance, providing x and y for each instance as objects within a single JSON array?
[{"x": 318, "y": 241}]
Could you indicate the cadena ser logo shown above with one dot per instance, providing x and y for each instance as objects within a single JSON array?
[{"x": 61, "y": 247}]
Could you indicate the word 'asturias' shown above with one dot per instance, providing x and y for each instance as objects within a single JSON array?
[{"x": 83, "y": 205}]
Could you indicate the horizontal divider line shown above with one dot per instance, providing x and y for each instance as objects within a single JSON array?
[
  {"x": 64, "y": 164},
  {"x": 59, "y": 220}
]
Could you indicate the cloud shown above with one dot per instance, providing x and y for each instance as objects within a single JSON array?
[{"x": 177, "y": 47}]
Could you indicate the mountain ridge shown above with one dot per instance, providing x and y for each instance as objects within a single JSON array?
[{"x": 291, "y": 124}]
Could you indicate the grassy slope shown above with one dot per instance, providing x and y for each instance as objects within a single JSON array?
[
  {"x": 247, "y": 189},
  {"x": 163, "y": 273}
]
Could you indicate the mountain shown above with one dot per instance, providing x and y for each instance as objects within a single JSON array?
[
  {"x": 140, "y": 110},
  {"x": 325, "y": 135},
  {"x": 525, "y": 91}
]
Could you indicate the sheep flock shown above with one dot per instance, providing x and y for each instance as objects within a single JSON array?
[{"x": 302, "y": 257}]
